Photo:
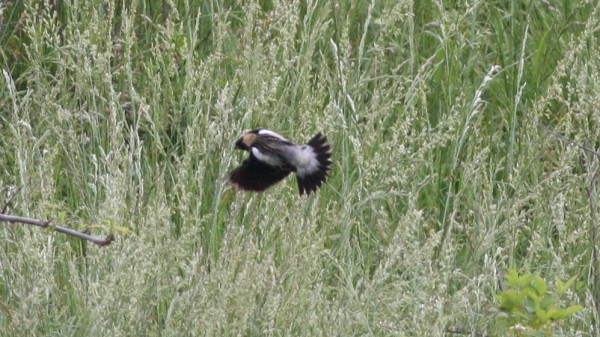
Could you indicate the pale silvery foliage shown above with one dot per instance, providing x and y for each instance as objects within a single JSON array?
[{"x": 430, "y": 199}]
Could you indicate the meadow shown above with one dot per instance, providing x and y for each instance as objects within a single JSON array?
[{"x": 465, "y": 140}]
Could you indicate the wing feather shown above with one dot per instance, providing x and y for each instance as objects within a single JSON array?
[{"x": 254, "y": 175}]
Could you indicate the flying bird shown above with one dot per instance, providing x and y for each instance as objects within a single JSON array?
[{"x": 273, "y": 157}]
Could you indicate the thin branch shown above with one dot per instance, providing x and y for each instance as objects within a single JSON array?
[
  {"x": 591, "y": 194},
  {"x": 10, "y": 199},
  {"x": 45, "y": 224},
  {"x": 6, "y": 311},
  {"x": 566, "y": 139},
  {"x": 591, "y": 190},
  {"x": 462, "y": 332}
]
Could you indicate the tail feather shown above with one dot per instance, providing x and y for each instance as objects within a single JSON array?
[{"x": 310, "y": 181}]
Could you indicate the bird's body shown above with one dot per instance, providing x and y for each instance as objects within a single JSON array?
[{"x": 273, "y": 157}]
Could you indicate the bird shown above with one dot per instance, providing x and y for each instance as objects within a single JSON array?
[{"x": 273, "y": 157}]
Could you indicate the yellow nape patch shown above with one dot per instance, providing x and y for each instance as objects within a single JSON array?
[{"x": 248, "y": 139}]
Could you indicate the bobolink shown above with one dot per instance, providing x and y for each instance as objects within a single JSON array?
[{"x": 272, "y": 158}]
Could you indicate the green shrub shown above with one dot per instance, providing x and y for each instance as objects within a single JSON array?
[{"x": 528, "y": 308}]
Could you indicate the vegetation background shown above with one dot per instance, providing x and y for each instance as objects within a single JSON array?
[{"x": 120, "y": 117}]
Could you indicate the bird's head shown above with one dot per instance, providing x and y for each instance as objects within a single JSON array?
[{"x": 245, "y": 142}]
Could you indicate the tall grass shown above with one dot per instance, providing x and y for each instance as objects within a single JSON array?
[{"x": 120, "y": 117}]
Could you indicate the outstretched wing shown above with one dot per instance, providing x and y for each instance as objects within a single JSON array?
[{"x": 254, "y": 175}]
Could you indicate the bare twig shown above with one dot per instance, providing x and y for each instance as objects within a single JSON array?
[
  {"x": 591, "y": 190},
  {"x": 461, "y": 332},
  {"x": 44, "y": 224},
  {"x": 10, "y": 199},
  {"x": 591, "y": 194},
  {"x": 6, "y": 311},
  {"x": 566, "y": 139},
  {"x": 165, "y": 10}
]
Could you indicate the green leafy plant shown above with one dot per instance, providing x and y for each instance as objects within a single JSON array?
[{"x": 528, "y": 308}]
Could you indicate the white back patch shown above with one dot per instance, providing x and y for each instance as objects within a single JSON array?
[
  {"x": 267, "y": 132},
  {"x": 306, "y": 161},
  {"x": 265, "y": 158}
]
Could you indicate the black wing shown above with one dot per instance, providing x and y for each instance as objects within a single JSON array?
[{"x": 254, "y": 175}]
